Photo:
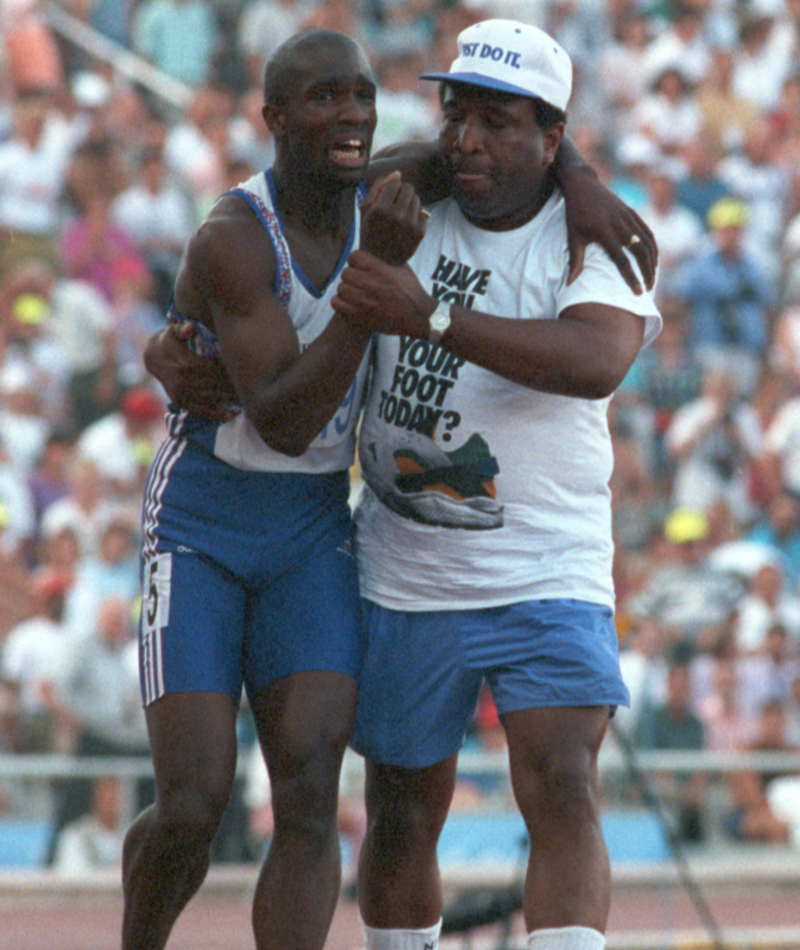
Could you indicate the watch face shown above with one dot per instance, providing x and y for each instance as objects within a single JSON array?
[{"x": 439, "y": 321}]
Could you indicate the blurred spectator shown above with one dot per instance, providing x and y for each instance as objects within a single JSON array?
[
  {"x": 784, "y": 354},
  {"x": 766, "y": 603},
  {"x": 48, "y": 481},
  {"x": 33, "y": 166},
  {"x": 754, "y": 177},
  {"x": 23, "y": 426},
  {"x": 668, "y": 114},
  {"x": 180, "y": 37},
  {"x": 30, "y": 51},
  {"x": 683, "y": 45},
  {"x": 263, "y": 26},
  {"x": 643, "y": 661},
  {"x": 250, "y": 138},
  {"x": 84, "y": 510},
  {"x": 790, "y": 261},
  {"x": 636, "y": 156},
  {"x": 622, "y": 75},
  {"x": 772, "y": 391},
  {"x": 197, "y": 147},
  {"x": 30, "y": 659},
  {"x": 753, "y": 816},
  {"x": 136, "y": 316},
  {"x": 779, "y": 465},
  {"x": 673, "y": 725},
  {"x": 729, "y": 724},
  {"x": 668, "y": 375},
  {"x": 60, "y": 549},
  {"x": 120, "y": 444},
  {"x": 677, "y": 230},
  {"x": 769, "y": 675},
  {"x": 711, "y": 439},
  {"x": 79, "y": 324},
  {"x": 29, "y": 346},
  {"x": 97, "y": 168},
  {"x": 95, "y": 839},
  {"x": 19, "y": 523},
  {"x": 96, "y": 701},
  {"x": 684, "y": 590},
  {"x": 92, "y": 244},
  {"x": 778, "y": 528},
  {"x": 761, "y": 58},
  {"x": 15, "y": 578},
  {"x": 113, "y": 571},
  {"x": 158, "y": 215},
  {"x": 726, "y": 116},
  {"x": 403, "y": 112},
  {"x": 637, "y": 509},
  {"x": 699, "y": 185},
  {"x": 729, "y": 295}
]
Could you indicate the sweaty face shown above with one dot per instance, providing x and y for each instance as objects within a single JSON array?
[
  {"x": 498, "y": 153},
  {"x": 327, "y": 124}
]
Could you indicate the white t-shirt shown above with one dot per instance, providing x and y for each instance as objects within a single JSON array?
[
  {"x": 479, "y": 491},
  {"x": 783, "y": 439}
]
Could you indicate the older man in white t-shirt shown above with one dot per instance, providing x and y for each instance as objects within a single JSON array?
[{"x": 484, "y": 528}]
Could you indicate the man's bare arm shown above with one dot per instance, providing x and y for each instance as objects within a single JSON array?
[
  {"x": 585, "y": 353},
  {"x": 595, "y": 215}
]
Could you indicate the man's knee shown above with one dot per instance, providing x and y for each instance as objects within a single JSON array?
[
  {"x": 558, "y": 790},
  {"x": 406, "y": 821},
  {"x": 305, "y": 798},
  {"x": 191, "y": 813}
]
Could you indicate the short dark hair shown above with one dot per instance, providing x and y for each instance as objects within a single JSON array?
[{"x": 284, "y": 63}]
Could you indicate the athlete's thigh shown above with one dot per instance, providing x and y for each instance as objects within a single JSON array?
[
  {"x": 303, "y": 722},
  {"x": 192, "y": 626},
  {"x": 308, "y": 617},
  {"x": 417, "y": 697}
]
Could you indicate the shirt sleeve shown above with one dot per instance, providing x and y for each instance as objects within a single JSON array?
[{"x": 600, "y": 282}]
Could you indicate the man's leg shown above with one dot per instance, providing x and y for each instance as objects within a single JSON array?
[
  {"x": 399, "y": 887},
  {"x": 303, "y": 722},
  {"x": 166, "y": 853},
  {"x": 553, "y": 759}
]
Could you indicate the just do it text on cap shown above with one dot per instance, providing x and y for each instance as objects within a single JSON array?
[{"x": 512, "y": 57}]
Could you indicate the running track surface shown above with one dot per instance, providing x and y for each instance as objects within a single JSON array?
[{"x": 78, "y": 920}]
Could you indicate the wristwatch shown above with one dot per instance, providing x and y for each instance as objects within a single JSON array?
[{"x": 438, "y": 323}]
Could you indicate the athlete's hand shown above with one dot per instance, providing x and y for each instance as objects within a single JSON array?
[
  {"x": 597, "y": 215},
  {"x": 392, "y": 220},
  {"x": 196, "y": 383}
]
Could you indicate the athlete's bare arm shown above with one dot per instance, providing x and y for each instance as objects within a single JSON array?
[{"x": 225, "y": 283}]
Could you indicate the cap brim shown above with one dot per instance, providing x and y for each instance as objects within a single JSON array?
[{"x": 476, "y": 79}]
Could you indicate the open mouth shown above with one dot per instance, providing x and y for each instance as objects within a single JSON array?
[{"x": 350, "y": 153}]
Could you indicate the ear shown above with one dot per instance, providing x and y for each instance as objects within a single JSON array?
[
  {"x": 275, "y": 119},
  {"x": 552, "y": 142}
]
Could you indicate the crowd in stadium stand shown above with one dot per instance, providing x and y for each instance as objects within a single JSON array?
[{"x": 688, "y": 109}]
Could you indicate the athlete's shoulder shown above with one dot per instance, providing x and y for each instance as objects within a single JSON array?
[{"x": 229, "y": 246}]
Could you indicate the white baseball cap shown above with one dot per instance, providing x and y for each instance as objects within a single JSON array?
[{"x": 512, "y": 57}]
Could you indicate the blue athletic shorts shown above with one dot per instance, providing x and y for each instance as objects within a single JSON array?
[
  {"x": 423, "y": 671},
  {"x": 247, "y": 577}
]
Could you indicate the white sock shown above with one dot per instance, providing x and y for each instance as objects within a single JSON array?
[
  {"x": 566, "y": 938},
  {"x": 379, "y": 939}
]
